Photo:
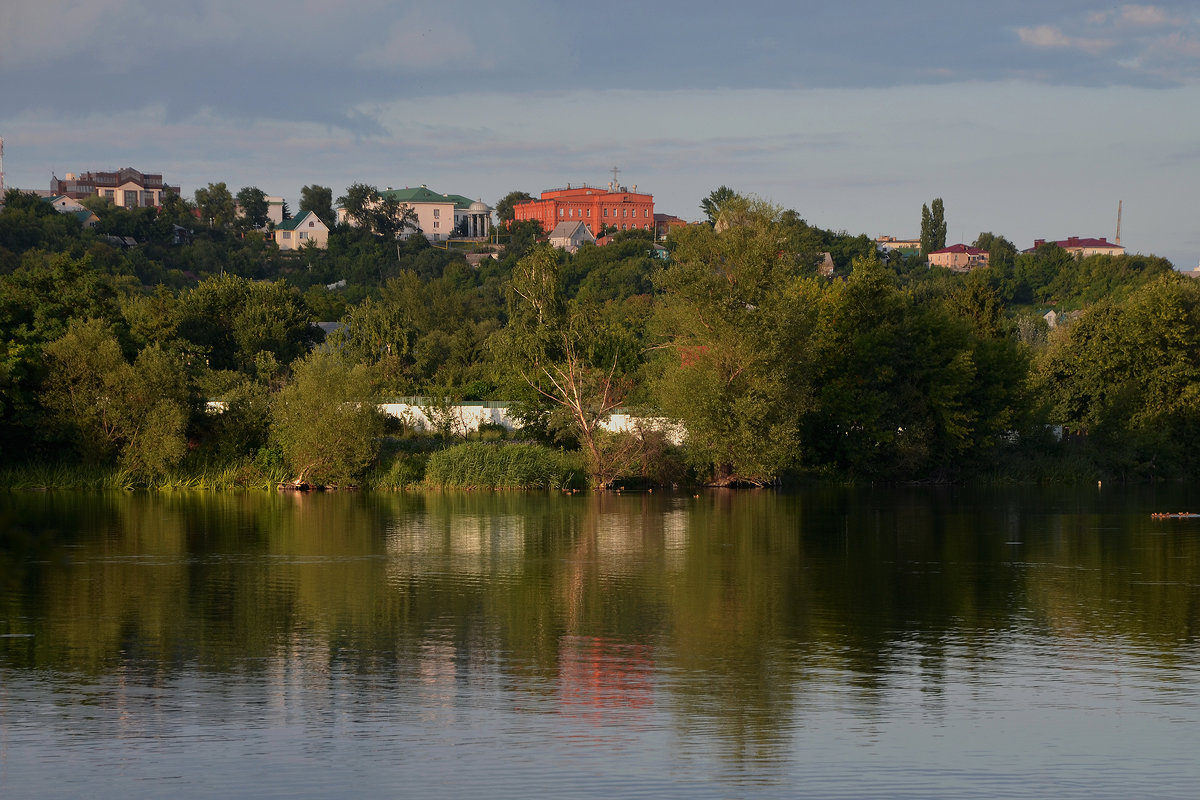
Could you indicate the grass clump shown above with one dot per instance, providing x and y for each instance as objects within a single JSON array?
[{"x": 480, "y": 465}]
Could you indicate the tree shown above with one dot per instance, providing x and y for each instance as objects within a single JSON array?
[
  {"x": 1126, "y": 375},
  {"x": 933, "y": 227},
  {"x": 379, "y": 212},
  {"x": 505, "y": 205},
  {"x": 109, "y": 407},
  {"x": 326, "y": 420},
  {"x": 563, "y": 351},
  {"x": 711, "y": 205},
  {"x": 318, "y": 200},
  {"x": 254, "y": 206},
  {"x": 231, "y": 320},
  {"x": 175, "y": 210},
  {"x": 737, "y": 310},
  {"x": 216, "y": 205}
]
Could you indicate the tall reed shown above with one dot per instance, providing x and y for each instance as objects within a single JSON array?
[{"x": 481, "y": 465}]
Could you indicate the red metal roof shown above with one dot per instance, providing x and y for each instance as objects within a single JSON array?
[{"x": 960, "y": 248}]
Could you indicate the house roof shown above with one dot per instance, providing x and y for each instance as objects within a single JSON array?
[
  {"x": 294, "y": 222},
  {"x": 1076, "y": 242},
  {"x": 423, "y": 194},
  {"x": 960, "y": 248},
  {"x": 570, "y": 230}
]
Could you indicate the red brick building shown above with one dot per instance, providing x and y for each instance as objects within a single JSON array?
[{"x": 617, "y": 207}]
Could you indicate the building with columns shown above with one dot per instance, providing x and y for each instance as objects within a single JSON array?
[
  {"x": 614, "y": 208},
  {"x": 441, "y": 216}
]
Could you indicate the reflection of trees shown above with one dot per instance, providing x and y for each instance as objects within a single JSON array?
[{"x": 733, "y": 612}]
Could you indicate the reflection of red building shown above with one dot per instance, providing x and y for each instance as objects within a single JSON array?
[
  {"x": 602, "y": 675},
  {"x": 617, "y": 207}
]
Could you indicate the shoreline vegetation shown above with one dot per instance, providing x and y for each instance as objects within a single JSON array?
[
  {"x": 474, "y": 466},
  {"x": 779, "y": 354}
]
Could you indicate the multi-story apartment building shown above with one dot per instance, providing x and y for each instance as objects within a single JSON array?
[{"x": 126, "y": 187}]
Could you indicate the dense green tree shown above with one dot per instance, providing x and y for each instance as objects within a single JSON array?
[
  {"x": 231, "y": 320},
  {"x": 711, "y": 205},
  {"x": 28, "y": 221},
  {"x": 357, "y": 203},
  {"x": 254, "y": 207},
  {"x": 216, "y": 206},
  {"x": 908, "y": 389},
  {"x": 504, "y": 206},
  {"x": 318, "y": 200},
  {"x": 933, "y": 227},
  {"x": 108, "y": 407},
  {"x": 176, "y": 210},
  {"x": 736, "y": 315},
  {"x": 326, "y": 421},
  {"x": 1126, "y": 375}
]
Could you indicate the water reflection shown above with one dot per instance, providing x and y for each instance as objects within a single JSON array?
[{"x": 734, "y": 639}]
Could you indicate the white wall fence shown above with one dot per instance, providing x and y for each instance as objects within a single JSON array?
[{"x": 459, "y": 419}]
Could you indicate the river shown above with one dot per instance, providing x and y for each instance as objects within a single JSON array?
[{"x": 908, "y": 643}]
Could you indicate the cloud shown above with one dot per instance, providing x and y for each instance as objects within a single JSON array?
[
  {"x": 1143, "y": 16},
  {"x": 421, "y": 41},
  {"x": 1051, "y": 36},
  {"x": 1133, "y": 16}
]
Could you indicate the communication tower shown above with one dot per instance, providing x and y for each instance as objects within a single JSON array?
[
  {"x": 1118, "y": 222},
  {"x": 1, "y": 169}
]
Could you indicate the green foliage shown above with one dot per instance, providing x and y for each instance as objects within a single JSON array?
[
  {"x": 398, "y": 470},
  {"x": 933, "y": 227},
  {"x": 231, "y": 320},
  {"x": 481, "y": 465},
  {"x": 319, "y": 200},
  {"x": 216, "y": 206},
  {"x": 736, "y": 314},
  {"x": 378, "y": 212},
  {"x": 908, "y": 388},
  {"x": 326, "y": 421},
  {"x": 504, "y": 206},
  {"x": 254, "y": 207},
  {"x": 1126, "y": 376},
  {"x": 711, "y": 205},
  {"x": 577, "y": 366},
  {"x": 108, "y": 407}
]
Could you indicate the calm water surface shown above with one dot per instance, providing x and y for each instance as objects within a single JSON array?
[{"x": 831, "y": 643}]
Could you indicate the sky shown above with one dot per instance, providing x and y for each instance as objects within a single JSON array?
[{"x": 1030, "y": 118}]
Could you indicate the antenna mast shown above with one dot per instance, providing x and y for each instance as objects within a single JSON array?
[
  {"x": 1118, "y": 222},
  {"x": 1, "y": 169}
]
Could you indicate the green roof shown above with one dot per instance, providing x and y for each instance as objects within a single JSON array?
[
  {"x": 423, "y": 194},
  {"x": 291, "y": 223}
]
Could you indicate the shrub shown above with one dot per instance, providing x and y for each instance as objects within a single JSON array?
[{"x": 480, "y": 465}]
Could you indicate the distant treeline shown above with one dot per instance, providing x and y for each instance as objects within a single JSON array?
[{"x": 889, "y": 370}]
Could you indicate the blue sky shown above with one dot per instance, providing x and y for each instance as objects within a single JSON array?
[{"x": 1030, "y": 119}]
